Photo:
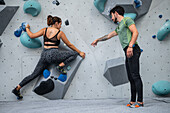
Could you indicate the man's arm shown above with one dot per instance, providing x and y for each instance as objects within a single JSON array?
[
  {"x": 135, "y": 33},
  {"x": 104, "y": 38}
]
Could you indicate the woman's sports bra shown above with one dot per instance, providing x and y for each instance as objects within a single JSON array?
[{"x": 53, "y": 39}]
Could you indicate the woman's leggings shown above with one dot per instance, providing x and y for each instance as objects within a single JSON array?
[
  {"x": 132, "y": 67},
  {"x": 49, "y": 56}
]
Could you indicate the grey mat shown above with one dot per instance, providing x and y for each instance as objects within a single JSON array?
[
  {"x": 83, "y": 106},
  {"x": 5, "y": 16}
]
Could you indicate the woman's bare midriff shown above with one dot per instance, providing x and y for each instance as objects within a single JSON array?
[{"x": 48, "y": 47}]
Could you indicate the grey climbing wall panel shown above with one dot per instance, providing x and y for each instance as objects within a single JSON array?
[
  {"x": 115, "y": 71},
  {"x": 85, "y": 25},
  {"x": 60, "y": 88},
  {"x": 129, "y": 7},
  {"x": 6, "y": 15}
]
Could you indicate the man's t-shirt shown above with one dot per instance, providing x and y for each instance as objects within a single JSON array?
[{"x": 124, "y": 32}]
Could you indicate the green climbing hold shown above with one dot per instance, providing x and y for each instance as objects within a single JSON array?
[
  {"x": 164, "y": 31},
  {"x": 99, "y": 4},
  {"x": 131, "y": 15},
  {"x": 161, "y": 88},
  {"x": 28, "y": 42},
  {"x": 32, "y": 7}
]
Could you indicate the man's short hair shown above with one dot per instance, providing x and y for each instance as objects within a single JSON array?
[{"x": 120, "y": 10}]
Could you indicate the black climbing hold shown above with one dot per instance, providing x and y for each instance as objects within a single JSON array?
[
  {"x": 167, "y": 20},
  {"x": 66, "y": 22},
  {"x": 2, "y": 2},
  {"x": 0, "y": 43},
  {"x": 52, "y": 76},
  {"x": 55, "y": 78},
  {"x": 160, "y": 16},
  {"x": 57, "y": 2},
  {"x": 44, "y": 87}
]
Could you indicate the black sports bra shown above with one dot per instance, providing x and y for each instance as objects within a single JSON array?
[{"x": 53, "y": 39}]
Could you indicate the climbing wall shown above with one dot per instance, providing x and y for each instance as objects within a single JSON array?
[{"x": 86, "y": 24}]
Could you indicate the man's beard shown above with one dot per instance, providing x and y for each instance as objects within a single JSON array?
[{"x": 115, "y": 21}]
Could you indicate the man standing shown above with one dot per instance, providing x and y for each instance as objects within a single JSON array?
[{"x": 128, "y": 34}]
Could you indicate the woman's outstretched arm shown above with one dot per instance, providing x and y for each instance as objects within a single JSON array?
[
  {"x": 34, "y": 35},
  {"x": 70, "y": 45}
]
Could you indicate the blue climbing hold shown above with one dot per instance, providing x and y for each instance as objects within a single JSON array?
[
  {"x": 28, "y": 42},
  {"x": 138, "y": 3},
  {"x": 154, "y": 36},
  {"x": 160, "y": 16},
  {"x": 161, "y": 88},
  {"x": 23, "y": 25},
  {"x": 141, "y": 50},
  {"x": 99, "y": 4},
  {"x": 133, "y": 45},
  {"x": 46, "y": 73},
  {"x": 131, "y": 15},
  {"x": 18, "y": 32},
  {"x": 62, "y": 77},
  {"x": 32, "y": 7},
  {"x": 164, "y": 31}
]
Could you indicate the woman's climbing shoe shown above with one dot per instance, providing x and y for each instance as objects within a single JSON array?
[
  {"x": 17, "y": 93},
  {"x": 61, "y": 70}
]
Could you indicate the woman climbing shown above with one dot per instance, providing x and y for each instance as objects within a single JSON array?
[{"x": 50, "y": 54}]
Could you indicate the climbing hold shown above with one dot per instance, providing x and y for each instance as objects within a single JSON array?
[
  {"x": 131, "y": 15},
  {"x": 0, "y": 43},
  {"x": 141, "y": 50},
  {"x": 18, "y": 32},
  {"x": 99, "y": 4},
  {"x": 46, "y": 73},
  {"x": 32, "y": 7},
  {"x": 2, "y": 2},
  {"x": 62, "y": 77},
  {"x": 56, "y": 2},
  {"x": 160, "y": 16},
  {"x": 164, "y": 31},
  {"x": 66, "y": 22},
  {"x": 154, "y": 36},
  {"x": 23, "y": 25},
  {"x": 161, "y": 88},
  {"x": 44, "y": 87},
  {"x": 138, "y": 3},
  {"x": 28, "y": 42},
  {"x": 68, "y": 68},
  {"x": 55, "y": 78}
]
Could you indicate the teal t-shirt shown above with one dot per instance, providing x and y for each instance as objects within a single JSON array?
[{"x": 124, "y": 32}]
